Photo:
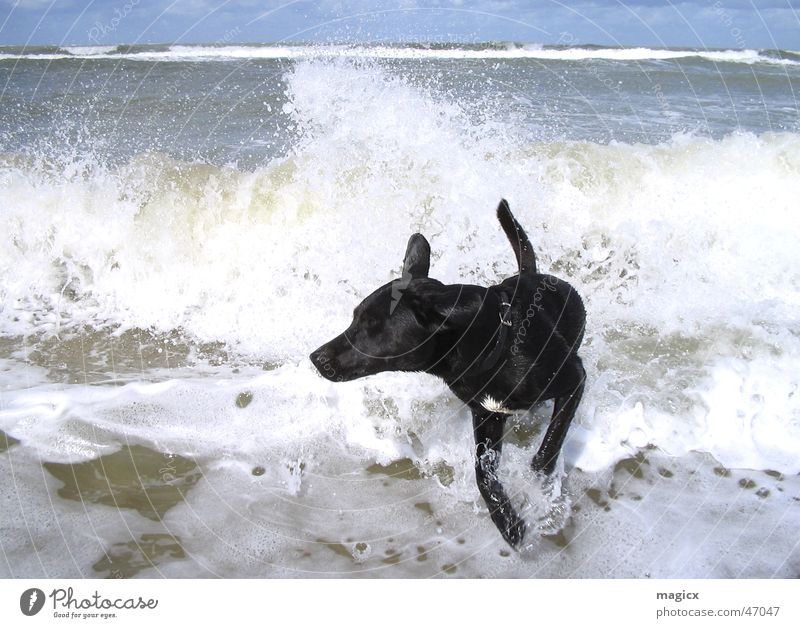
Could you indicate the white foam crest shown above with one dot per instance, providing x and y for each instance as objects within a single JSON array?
[
  {"x": 379, "y": 159},
  {"x": 178, "y": 53},
  {"x": 47, "y": 56},
  {"x": 89, "y": 51}
]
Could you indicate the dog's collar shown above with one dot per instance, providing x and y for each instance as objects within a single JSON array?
[{"x": 501, "y": 333}]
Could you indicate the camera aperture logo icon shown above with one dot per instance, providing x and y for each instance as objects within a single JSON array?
[{"x": 31, "y": 602}]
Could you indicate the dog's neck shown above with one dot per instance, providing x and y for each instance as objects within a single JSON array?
[{"x": 476, "y": 339}]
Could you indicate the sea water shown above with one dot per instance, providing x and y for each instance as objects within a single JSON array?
[{"x": 182, "y": 225}]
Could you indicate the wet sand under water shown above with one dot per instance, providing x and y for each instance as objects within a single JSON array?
[{"x": 142, "y": 512}]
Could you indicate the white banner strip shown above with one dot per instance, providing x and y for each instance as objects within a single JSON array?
[{"x": 401, "y": 603}]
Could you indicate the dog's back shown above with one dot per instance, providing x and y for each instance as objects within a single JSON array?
[
  {"x": 547, "y": 304},
  {"x": 557, "y": 305}
]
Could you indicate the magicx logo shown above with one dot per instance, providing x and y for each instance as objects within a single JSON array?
[{"x": 31, "y": 601}]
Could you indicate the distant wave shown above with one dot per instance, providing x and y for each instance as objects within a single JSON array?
[
  {"x": 179, "y": 53},
  {"x": 88, "y": 51}
]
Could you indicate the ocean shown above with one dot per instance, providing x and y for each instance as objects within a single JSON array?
[{"x": 182, "y": 225}]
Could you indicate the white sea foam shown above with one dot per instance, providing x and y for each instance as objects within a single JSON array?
[
  {"x": 179, "y": 53},
  {"x": 312, "y": 510},
  {"x": 89, "y": 51}
]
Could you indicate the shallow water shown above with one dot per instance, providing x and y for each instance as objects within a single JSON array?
[{"x": 657, "y": 516}]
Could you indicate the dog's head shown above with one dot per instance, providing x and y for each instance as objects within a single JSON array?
[{"x": 396, "y": 328}]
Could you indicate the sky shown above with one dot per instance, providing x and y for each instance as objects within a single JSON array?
[{"x": 734, "y": 24}]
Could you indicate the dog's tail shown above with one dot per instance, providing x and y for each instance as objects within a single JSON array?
[{"x": 526, "y": 259}]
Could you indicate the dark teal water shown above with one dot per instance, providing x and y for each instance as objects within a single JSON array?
[{"x": 227, "y": 104}]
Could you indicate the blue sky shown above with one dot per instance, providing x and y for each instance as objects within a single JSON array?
[{"x": 695, "y": 23}]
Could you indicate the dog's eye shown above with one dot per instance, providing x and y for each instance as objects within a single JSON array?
[{"x": 371, "y": 324}]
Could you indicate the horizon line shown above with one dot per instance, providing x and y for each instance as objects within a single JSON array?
[{"x": 495, "y": 42}]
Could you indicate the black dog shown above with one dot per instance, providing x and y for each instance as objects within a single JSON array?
[{"x": 499, "y": 349}]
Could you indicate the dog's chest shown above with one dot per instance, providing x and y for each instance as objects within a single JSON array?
[{"x": 494, "y": 405}]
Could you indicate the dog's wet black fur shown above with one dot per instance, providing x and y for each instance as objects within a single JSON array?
[{"x": 500, "y": 349}]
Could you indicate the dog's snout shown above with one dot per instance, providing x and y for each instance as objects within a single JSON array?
[
  {"x": 318, "y": 355},
  {"x": 323, "y": 360}
]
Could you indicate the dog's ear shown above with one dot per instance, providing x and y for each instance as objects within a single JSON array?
[{"x": 417, "y": 261}]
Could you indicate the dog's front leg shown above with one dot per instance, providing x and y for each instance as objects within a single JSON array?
[
  {"x": 563, "y": 412},
  {"x": 488, "y": 428}
]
